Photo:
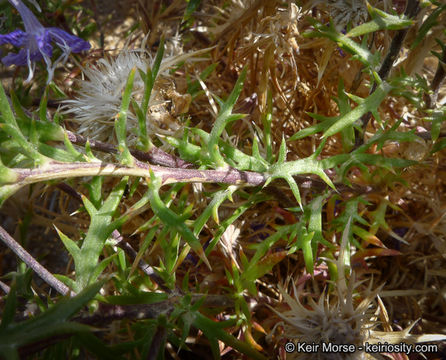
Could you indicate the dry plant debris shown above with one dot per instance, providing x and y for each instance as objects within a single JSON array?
[{"x": 227, "y": 179}]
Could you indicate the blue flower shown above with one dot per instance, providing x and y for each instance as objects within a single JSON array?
[{"x": 36, "y": 45}]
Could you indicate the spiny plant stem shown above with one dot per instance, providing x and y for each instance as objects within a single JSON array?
[
  {"x": 168, "y": 175},
  {"x": 109, "y": 313},
  {"x": 412, "y": 9},
  {"x": 5, "y": 287},
  {"x": 26, "y": 257},
  {"x": 58, "y": 170},
  {"x": 438, "y": 78},
  {"x": 154, "y": 155}
]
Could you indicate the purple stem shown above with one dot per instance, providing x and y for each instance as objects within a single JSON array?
[{"x": 26, "y": 257}]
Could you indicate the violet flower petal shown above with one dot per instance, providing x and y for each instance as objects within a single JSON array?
[
  {"x": 16, "y": 38},
  {"x": 63, "y": 39},
  {"x": 44, "y": 47},
  {"x": 19, "y": 59},
  {"x": 36, "y": 43}
]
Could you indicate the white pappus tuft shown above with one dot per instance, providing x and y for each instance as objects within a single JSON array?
[
  {"x": 345, "y": 11},
  {"x": 99, "y": 97},
  {"x": 345, "y": 318}
]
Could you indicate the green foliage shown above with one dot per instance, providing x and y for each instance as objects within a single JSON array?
[
  {"x": 428, "y": 24},
  {"x": 11, "y": 129},
  {"x": 359, "y": 51},
  {"x": 215, "y": 331},
  {"x": 192, "y": 6},
  {"x": 52, "y": 322},
  {"x": 121, "y": 122},
  {"x": 370, "y": 104},
  {"x": 287, "y": 170},
  {"x": 172, "y": 220},
  {"x": 224, "y": 117},
  {"x": 169, "y": 217},
  {"x": 348, "y": 116},
  {"x": 380, "y": 21},
  {"x": 101, "y": 226},
  {"x": 149, "y": 81}
]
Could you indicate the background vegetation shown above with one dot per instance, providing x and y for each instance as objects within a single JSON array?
[{"x": 217, "y": 178}]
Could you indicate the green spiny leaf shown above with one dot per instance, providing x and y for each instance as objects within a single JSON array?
[
  {"x": 282, "y": 151},
  {"x": 214, "y": 331},
  {"x": 69, "y": 244},
  {"x": 158, "y": 58},
  {"x": 380, "y": 21},
  {"x": 370, "y": 104},
  {"x": 223, "y": 118},
  {"x": 307, "y": 251},
  {"x": 294, "y": 188},
  {"x": 43, "y": 106},
  {"x": 9, "y": 308},
  {"x": 101, "y": 227},
  {"x": 121, "y": 121},
  {"x": 172, "y": 220},
  {"x": 428, "y": 24},
  {"x": 361, "y": 52},
  {"x": 47, "y": 324}
]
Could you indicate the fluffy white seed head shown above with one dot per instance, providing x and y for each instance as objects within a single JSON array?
[
  {"x": 335, "y": 319},
  {"x": 99, "y": 97}
]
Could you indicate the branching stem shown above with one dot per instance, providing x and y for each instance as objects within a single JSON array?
[
  {"x": 26, "y": 257},
  {"x": 411, "y": 11},
  {"x": 58, "y": 170}
]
